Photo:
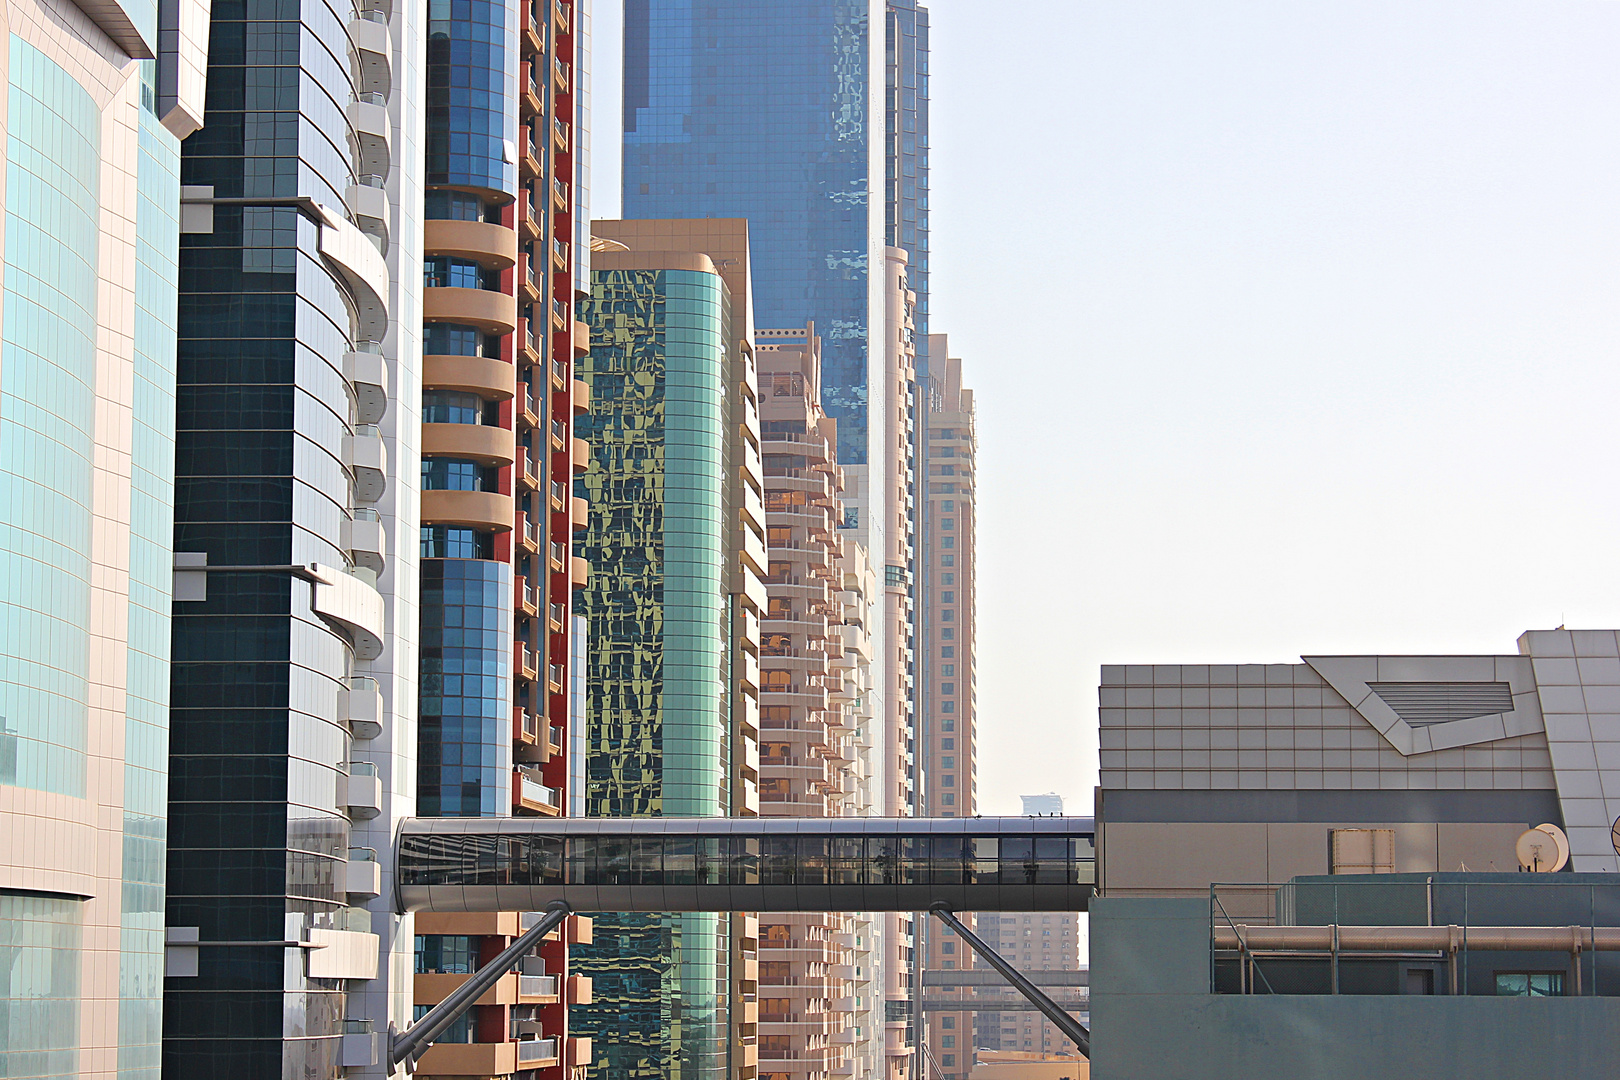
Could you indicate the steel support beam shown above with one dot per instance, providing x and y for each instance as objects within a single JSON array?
[
  {"x": 412, "y": 1043},
  {"x": 1067, "y": 1024}
]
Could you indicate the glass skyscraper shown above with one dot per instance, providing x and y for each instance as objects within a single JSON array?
[
  {"x": 672, "y": 606},
  {"x": 770, "y": 112}
]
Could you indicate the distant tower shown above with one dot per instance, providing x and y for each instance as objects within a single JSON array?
[{"x": 1050, "y": 803}]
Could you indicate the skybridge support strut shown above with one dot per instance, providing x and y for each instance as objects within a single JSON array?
[
  {"x": 1037, "y": 997},
  {"x": 413, "y": 1042}
]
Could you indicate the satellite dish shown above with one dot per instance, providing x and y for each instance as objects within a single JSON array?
[
  {"x": 1562, "y": 840},
  {"x": 1539, "y": 851},
  {"x": 1614, "y": 836}
]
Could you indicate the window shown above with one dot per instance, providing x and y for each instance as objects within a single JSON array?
[
  {"x": 948, "y": 579},
  {"x": 455, "y": 474},
  {"x": 948, "y": 542},
  {"x": 947, "y": 1022},
  {"x": 445, "y": 954},
  {"x": 453, "y": 542},
  {"x": 947, "y": 688},
  {"x": 451, "y": 339},
  {"x": 948, "y": 725},
  {"x": 448, "y": 407},
  {"x": 948, "y": 948},
  {"x": 445, "y": 272},
  {"x": 1530, "y": 983},
  {"x": 950, "y": 1059},
  {"x": 947, "y": 634},
  {"x": 947, "y": 706},
  {"x": 947, "y": 560},
  {"x": 947, "y": 597},
  {"x": 950, "y": 504},
  {"x": 947, "y": 762},
  {"x": 949, "y": 670},
  {"x": 452, "y": 206},
  {"x": 948, "y": 652},
  {"x": 950, "y": 781},
  {"x": 947, "y": 1040},
  {"x": 947, "y": 744}
]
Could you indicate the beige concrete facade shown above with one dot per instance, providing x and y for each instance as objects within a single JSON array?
[
  {"x": 947, "y": 720},
  {"x": 895, "y": 470},
  {"x": 815, "y": 733}
]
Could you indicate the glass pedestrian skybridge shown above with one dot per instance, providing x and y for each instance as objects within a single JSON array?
[{"x": 746, "y": 864}]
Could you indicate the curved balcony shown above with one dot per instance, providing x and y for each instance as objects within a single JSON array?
[
  {"x": 367, "y": 372},
  {"x": 362, "y": 268},
  {"x": 493, "y": 380},
  {"x": 487, "y": 510},
  {"x": 369, "y": 33},
  {"x": 354, "y": 605},
  {"x": 369, "y": 205},
  {"x": 367, "y": 459},
  {"x": 373, "y": 136},
  {"x": 365, "y": 540},
  {"x": 477, "y": 442},
  {"x": 491, "y": 312},
  {"x": 491, "y": 246}
]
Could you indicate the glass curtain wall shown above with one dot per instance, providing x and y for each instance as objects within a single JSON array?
[{"x": 657, "y": 617}]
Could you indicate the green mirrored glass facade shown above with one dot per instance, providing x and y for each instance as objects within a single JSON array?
[{"x": 657, "y": 712}]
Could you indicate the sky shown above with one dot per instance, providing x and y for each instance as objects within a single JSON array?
[{"x": 1293, "y": 327}]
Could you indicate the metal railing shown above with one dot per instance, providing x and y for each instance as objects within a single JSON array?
[
  {"x": 534, "y": 1050},
  {"x": 1367, "y": 936},
  {"x": 537, "y": 985}
]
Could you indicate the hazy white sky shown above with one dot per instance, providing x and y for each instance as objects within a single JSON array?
[{"x": 1295, "y": 329}]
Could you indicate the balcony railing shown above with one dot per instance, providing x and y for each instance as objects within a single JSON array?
[
  {"x": 534, "y": 792},
  {"x": 534, "y": 1050},
  {"x": 537, "y": 985}
]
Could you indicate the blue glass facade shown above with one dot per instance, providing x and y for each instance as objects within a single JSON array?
[
  {"x": 466, "y": 668},
  {"x": 471, "y": 94},
  {"x": 906, "y": 154},
  {"x": 56, "y": 570},
  {"x": 151, "y": 578},
  {"x": 47, "y": 413},
  {"x": 39, "y": 1014},
  {"x": 765, "y": 112}
]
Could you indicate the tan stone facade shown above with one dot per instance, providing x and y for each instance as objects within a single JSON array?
[{"x": 815, "y": 969}]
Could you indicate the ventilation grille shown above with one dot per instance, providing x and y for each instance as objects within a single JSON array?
[{"x": 1424, "y": 703}]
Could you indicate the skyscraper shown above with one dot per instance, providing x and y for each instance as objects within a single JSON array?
[
  {"x": 676, "y": 542},
  {"x": 373, "y": 514},
  {"x": 946, "y": 724},
  {"x": 816, "y": 988},
  {"x": 498, "y": 510},
  {"x": 87, "y": 338},
  {"x": 294, "y": 676},
  {"x": 780, "y": 115}
]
